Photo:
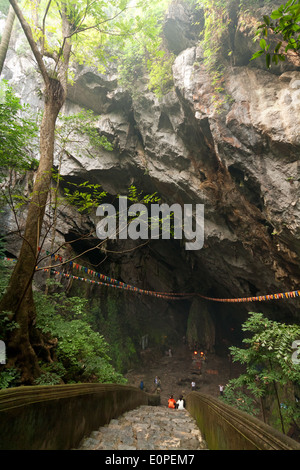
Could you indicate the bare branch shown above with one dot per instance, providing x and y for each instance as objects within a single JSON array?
[
  {"x": 28, "y": 33},
  {"x": 44, "y": 23},
  {"x": 95, "y": 26}
]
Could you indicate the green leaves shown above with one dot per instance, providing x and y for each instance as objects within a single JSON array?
[
  {"x": 161, "y": 75},
  {"x": 82, "y": 353},
  {"x": 267, "y": 359},
  {"x": 143, "y": 52},
  {"x": 285, "y": 22},
  {"x": 263, "y": 43},
  {"x": 90, "y": 27},
  {"x": 17, "y": 132},
  {"x": 80, "y": 131},
  {"x": 85, "y": 197}
]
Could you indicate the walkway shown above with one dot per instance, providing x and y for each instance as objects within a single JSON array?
[{"x": 148, "y": 428}]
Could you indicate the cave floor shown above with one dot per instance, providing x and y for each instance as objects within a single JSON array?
[{"x": 176, "y": 373}]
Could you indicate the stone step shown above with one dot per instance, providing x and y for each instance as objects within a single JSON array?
[{"x": 147, "y": 428}]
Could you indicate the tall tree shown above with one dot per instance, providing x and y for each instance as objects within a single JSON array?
[
  {"x": 82, "y": 25},
  {"x": 18, "y": 298}
]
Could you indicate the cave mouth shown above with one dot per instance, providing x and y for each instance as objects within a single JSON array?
[
  {"x": 217, "y": 271},
  {"x": 161, "y": 266}
]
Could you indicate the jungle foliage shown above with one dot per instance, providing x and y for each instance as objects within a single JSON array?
[
  {"x": 82, "y": 354},
  {"x": 17, "y": 132},
  {"x": 270, "y": 384},
  {"x": 72, "y": 351}
]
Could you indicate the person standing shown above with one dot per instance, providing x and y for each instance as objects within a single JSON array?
[
  {"x": 193, "y": 385},
  {"x": 158, "y": 385}
]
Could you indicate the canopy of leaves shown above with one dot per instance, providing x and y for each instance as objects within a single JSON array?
[{"x": 97, "y": 28}]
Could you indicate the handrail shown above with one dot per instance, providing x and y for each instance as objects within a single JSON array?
[
  {"x": 57, "y": 417},
  {"x": 225, "y": 427},
  {"x": 17, "y": 397}
]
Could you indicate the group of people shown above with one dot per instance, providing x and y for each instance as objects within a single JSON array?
[
  {"x": 157, "y": 385},
  {"x": 179, "y": 404}
]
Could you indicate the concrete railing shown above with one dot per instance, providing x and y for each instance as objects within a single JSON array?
[
  {"x": 226, "y": 428},
  {"x": 58, "y": 417}
]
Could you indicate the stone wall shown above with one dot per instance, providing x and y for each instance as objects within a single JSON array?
[
  {"x": 226, "y": 428},
  {"x": 58, "y": 417}
]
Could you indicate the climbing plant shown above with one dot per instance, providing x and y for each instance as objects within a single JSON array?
[
  {"x": 222, "y": 18},
  {"x": 215, "y": 25},
  {"x": 217, "y": 42}
]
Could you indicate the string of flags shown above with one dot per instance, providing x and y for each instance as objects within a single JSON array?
[
  {"x": 115, "y": 284},
  {"x": 103, "y": 280},
  {"x": 174, "y": 296},
  {"x": 259, "y": 298}
]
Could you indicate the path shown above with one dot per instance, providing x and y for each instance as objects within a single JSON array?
[
  {"x": 148, "y": 428},
  {"x": 177, "y": 372},
  {"x": 159, "y": 428}
]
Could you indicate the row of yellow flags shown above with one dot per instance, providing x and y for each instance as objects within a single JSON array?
[{"x": 110, "y": 282}]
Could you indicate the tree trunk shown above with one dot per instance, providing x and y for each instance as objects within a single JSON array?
[
  {"x": 6, "y": 36},
  {"x": 18, "y": 298}
]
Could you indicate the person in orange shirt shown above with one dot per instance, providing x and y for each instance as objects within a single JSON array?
[{"x": 171, "y": 402}]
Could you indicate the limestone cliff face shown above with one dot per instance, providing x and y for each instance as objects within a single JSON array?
[{"x": 240, "y": 161}]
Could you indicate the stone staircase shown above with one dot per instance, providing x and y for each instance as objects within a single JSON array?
[{"x": 147, "y": 428}]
